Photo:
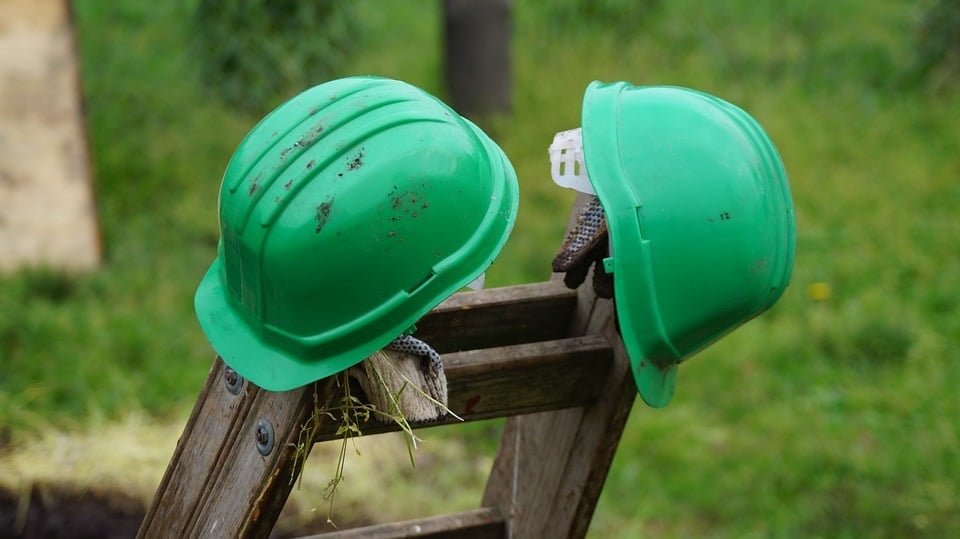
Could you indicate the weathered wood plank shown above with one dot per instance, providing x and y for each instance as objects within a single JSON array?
[
  {"x": 528, "y": 377},
  {"x": 483, "y": 523},
  {"x": 510, "y": 380},
  {"x": 596, "y": 442},
  {"x": 181, "y": 497},
  {"x": 218, "y": 484},
  {"x": 566, "y": 452},
  {"x": 499, "y": 317}
]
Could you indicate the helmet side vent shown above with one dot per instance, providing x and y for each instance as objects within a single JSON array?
[{"x": 421, "y": 283}]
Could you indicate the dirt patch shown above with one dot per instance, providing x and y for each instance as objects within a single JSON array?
[
  {"x": 51, "y": 513},
  {"x": 99, "y": 482}
]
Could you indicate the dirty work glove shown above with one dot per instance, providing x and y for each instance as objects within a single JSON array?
[
  {"x": 431, "y": 366},
  {"x": 587, "y": 243},
  {"x": 404, "y": 362}
]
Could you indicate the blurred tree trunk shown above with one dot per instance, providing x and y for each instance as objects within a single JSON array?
[{"x": 477, "y": 55}]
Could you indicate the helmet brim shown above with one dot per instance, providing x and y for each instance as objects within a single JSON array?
[
  {"x": 244, "y": 350},
  {"x": 641, "y": 324}
]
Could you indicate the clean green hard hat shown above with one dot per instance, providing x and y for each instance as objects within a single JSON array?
[
  {"x": 346, "y": 214},
  {"x": 702, "y": 233}
]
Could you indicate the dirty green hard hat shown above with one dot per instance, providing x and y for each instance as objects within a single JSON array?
[
  {"x": 346, "y": 214},
  {"x": 702, "y": 233}
]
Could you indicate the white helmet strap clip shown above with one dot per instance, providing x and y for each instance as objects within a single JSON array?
[{"x": 567, "y": 166}]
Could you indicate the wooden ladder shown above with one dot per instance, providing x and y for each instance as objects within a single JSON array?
[{"x": 547, "y": 358}]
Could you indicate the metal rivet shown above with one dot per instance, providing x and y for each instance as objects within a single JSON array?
[
  {"x": 264, "y": 436},
  {"x": 233, "y": 380}
]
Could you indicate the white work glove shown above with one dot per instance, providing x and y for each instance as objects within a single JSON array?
[{"x": 405, "y": 361}]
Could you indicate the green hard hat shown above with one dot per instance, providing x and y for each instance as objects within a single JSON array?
[
  {"x": 702, "y": 233},
  {"x": 347, "y": 214}
]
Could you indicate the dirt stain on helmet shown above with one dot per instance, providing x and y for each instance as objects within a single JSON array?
[
  {"x": 356, "y": 161},
  {"x": 308, "y": 139},
  {"x": 254, "y": 185},
  {"x": 323, "y": 213},
  {"x": 410, "y": 202}
]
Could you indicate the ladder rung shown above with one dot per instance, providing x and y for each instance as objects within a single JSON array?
[
  {"x": 511, "y": 380},
  {"x": 482, "y": 523},
  {"x": 499, "y": 317}
]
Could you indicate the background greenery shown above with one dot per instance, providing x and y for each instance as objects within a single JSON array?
[{"x": 834, "y": 415}]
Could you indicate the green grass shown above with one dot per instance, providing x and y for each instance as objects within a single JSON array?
[{"x": 833, "y": 418}]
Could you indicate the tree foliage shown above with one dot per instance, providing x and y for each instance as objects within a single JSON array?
[
  {"x": 938, "y": 48},
  {"x": 620, "y": 17},
  {"x": 253, "y": 52}
]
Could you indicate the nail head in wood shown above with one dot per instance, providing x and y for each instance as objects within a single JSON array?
[
  {"x": 264, "y": 436},
  {"x": 233, "y": 381}
]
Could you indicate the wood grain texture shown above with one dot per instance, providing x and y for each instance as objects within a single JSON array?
[
  {"x": 510, "y": 380},
  {"x": 499, "y": 317},
  {"x": 217, "y": 483},
  {"x": 550, "y": 466},
  {"x": 483, "y": 523}
]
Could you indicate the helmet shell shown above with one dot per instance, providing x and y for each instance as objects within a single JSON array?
[
  {"x": 701, "y": 220},
  {"x": 345, "y": 215}
]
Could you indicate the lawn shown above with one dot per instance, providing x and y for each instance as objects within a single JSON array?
[{"x": 833, "y": 415}]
